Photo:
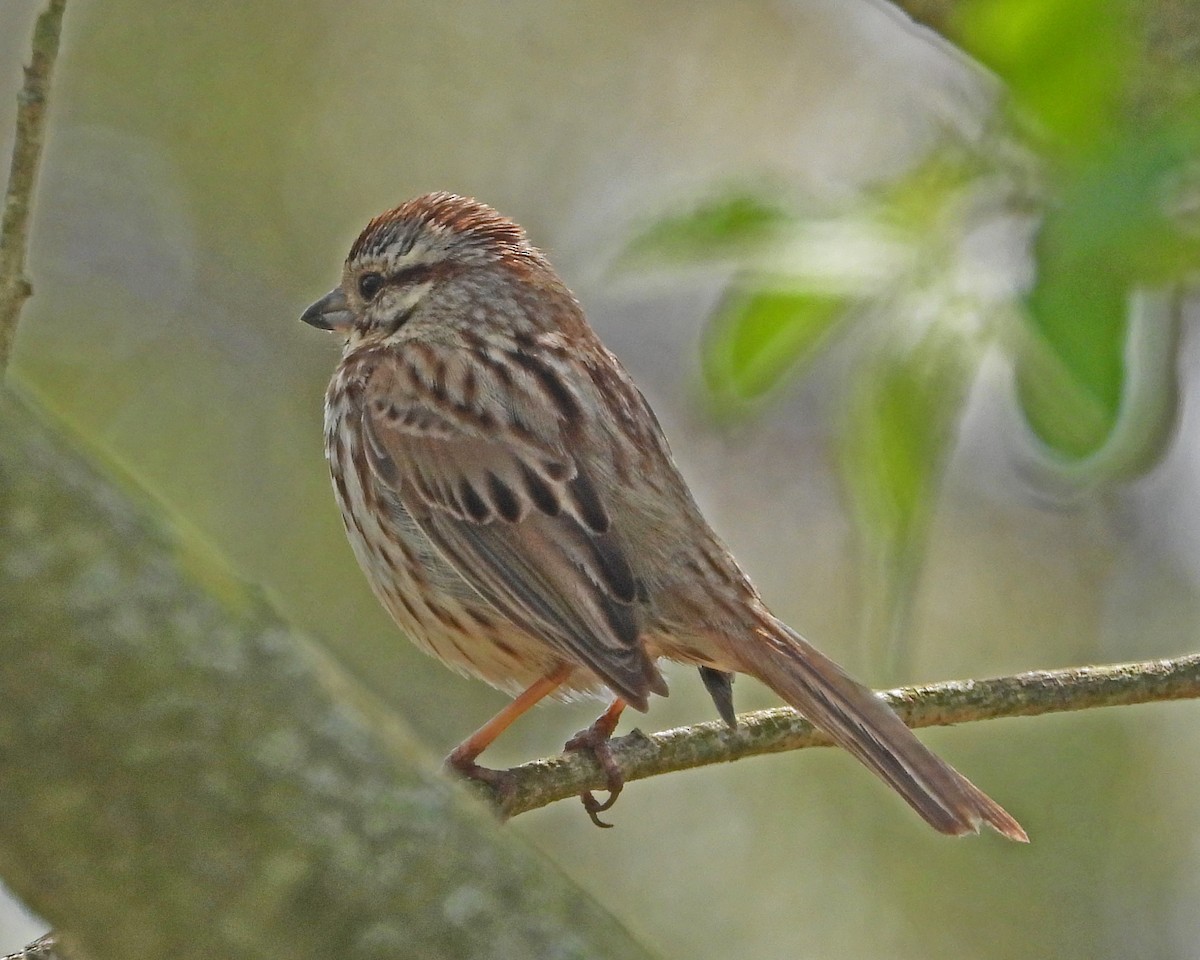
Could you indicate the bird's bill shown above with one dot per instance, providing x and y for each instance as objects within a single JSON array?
[{"x": 331, "y": 312}]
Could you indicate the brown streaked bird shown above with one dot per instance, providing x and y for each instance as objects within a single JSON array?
[{"x": 514, "y": 504}]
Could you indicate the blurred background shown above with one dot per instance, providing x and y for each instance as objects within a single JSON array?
[{"x": 917, "y": 330}]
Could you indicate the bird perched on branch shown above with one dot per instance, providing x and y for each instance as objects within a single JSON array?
[{"x": 514, "y": 504}]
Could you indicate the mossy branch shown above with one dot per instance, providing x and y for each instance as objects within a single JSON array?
[{"x": 184, "y": 775}]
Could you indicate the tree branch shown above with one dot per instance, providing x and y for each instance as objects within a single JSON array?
[
  {"x": 183, "y": 775},
  {"x": 15, "y": 288},
  {"x": 541, "y": 782}
]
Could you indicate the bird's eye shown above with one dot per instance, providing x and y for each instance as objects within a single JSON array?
[{"x": 369, "y": 284}]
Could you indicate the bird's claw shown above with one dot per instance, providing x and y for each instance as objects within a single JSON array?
[
  {"x": 502, "y": 783},
  {"x": 597, "y": 739}
]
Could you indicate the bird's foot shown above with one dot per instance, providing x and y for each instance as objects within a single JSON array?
[
  {"x": 597, "y": 739},
  {"x": 501, "y": 783}
]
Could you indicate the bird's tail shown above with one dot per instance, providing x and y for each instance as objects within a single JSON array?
[{"x": 860, "y": 721}]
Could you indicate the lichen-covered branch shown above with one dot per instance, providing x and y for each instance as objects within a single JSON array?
[
  {"x": 187, "y": 777},
  {"x": 774, "y": 731},
  {"x": 15, "y": 288}
]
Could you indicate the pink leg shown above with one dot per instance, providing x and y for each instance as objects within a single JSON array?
[{"x": 462, "y": 758}]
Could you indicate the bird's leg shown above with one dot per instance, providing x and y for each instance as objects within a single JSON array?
[
  {"x": 597, "y": 739},
  {"x": 462, "y": 758}
]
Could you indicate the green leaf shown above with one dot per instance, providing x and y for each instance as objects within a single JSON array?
[
  {"x": 760, "y": 333},
  {"x": 902, "y": 423},
  {"x": 1106, "y": 238},
  {"x": 1071, "y": 378},
  {"x": 723, "y": 227},
  {"x": 1132, "y": 439},
  {"x": 1065, "y": 61},
  {"x": 903, "y": 417}
]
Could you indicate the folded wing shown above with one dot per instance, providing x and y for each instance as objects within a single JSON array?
[{"x": 519, "y": 519}]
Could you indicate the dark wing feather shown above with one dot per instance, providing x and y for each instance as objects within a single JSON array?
[{"x": 519, "y": 521}]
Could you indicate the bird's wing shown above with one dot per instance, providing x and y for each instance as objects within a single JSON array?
[{"x": 484, "y": 472}]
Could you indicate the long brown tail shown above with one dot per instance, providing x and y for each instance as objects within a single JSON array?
[{"x": 858, "y": 720}]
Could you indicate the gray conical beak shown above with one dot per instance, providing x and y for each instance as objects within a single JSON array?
[{"x": 331, "y": 312}]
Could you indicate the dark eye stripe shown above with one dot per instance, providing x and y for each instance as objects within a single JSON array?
[
  {"x": 369, "y": 284},
  {"x": 417, "y": 273}
]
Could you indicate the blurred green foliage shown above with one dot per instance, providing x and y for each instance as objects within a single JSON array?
[
  {"x": 1110, "y": 168},
  {"x": 768, "y": 322},
  {"x": 760, "y": 333},
  {"x": 726, "y": 226},
  {"x": 1099, "y": 179}
]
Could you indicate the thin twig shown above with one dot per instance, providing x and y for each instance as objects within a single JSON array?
[
  {"x": 540, "y": 782},
  {"x": 15, "y": 288}
]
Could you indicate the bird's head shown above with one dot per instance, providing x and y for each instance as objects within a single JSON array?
[{"x": 434, "y": 264}]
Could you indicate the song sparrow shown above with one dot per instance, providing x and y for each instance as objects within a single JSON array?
[{"x": 513, "y": 502}]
